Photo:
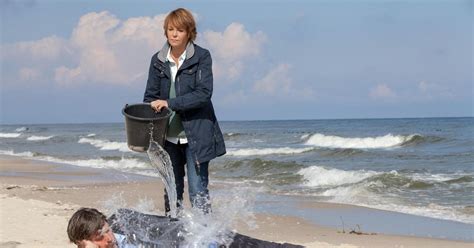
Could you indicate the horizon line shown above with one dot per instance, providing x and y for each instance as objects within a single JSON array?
[{"x": 319, "y": 119}]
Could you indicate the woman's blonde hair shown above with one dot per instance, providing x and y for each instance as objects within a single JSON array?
[{"x": 181, "y": 18}]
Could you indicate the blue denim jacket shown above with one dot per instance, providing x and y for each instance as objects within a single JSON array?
[{"x": 194, "y": 83}]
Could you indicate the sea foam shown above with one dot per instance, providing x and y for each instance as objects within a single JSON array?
[
  {"x": 105, "y": 144},
  {"x": 316, "y": 176},
  {"x": 10, "y": 135},
  {"x": 39, "y": 138},
  {"x": 389, "y": 140},
  {"x": 21, "y": 129},
  {"x": 266, "y": 151},
  {"x": 19, "y": 154}
]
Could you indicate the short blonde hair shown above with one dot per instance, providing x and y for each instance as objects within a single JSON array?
[{"x": 181, "y": 18}]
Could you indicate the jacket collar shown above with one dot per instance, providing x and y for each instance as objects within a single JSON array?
[{"x": 164, "y": 51}]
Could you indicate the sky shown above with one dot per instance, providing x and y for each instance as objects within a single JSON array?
[{"x": 82, "y": 61}]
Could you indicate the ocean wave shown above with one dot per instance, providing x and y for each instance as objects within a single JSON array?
[
  {"x": 387, "y": 141},
  {"x": 304, "y": 136},
  {"x": 360, "y": 194},
  {"x": 91, "y": 135},
  {"x": 39, "y": 138},
  {"x": 10, "y": 135},
  {"x": 463, "y": 179},
  {"x": 19, "y": 154},
  {"x": 21, "y": 129},
  {"x": 105, "y": 144},
  {"x": 125, "y": 164},
  {"x": 266, "y": 151},
  {"x": 122, "y": 164},
  {"x": 316, "y": 176}
]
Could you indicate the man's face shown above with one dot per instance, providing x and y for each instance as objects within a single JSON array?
[{"x": 104, "y": 238}]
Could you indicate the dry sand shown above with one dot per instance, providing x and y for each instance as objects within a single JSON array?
[{"x": 37, "y": 200}]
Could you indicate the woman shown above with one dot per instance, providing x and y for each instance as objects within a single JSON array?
[{"x": 180, "y": 78}]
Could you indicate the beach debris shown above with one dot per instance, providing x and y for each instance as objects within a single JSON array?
[
  {"x": 44, "y": 188},
  {"x": 359, "y": 232},
  {"x": 9, "y": 244},
  {"x": 59, "y": 202},
  {"x": 12, "y": 187},
  {"x": 353, "y": 231}
]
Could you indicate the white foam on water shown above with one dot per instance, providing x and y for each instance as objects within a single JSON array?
[
  {"x": 387, "y": 141},
  {"x": 266, "y": 151},
  {"x": 359, "y": 194},
  {"x": 304, "y": 136},
  {"x": 19, "y": 154},
  {"x": 39, "y": 138},
  {"x": 91, "y": 135},
  {"x": 21, "y": 129},
  {"x": 105, "y": 144},
  {"x": 10, "y": 135},
  {"x": 316, "y": 176},
  {"x": 124, "y": 164},
  {"x": 435, "y": 177}
]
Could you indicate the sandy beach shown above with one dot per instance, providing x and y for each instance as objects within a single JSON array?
[{"x": 37, "y": 198}]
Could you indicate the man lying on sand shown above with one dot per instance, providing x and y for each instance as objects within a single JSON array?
[{"x": 89, "y": 228}]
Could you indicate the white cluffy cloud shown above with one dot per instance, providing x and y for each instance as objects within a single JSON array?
[
  {"x": 382, "y": 91},
  {"x": 110, "y": 50},
  {"x": 276, "y": 81},
  {"x": 101, "y": 49},
  {"x": 231, "y": 47},
  {"x": 105, "y": 49}
]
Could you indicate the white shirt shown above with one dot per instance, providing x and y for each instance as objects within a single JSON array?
[{"x": 174, "y": 71}]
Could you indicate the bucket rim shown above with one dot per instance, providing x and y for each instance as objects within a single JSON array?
[{"x": 145, "y": 119}]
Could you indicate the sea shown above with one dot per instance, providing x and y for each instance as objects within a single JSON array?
[{"x": 418, "y": 166}]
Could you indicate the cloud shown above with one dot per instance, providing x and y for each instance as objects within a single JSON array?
[
  {"x": 275, "y": 82},
  {"x": 231, "y": 48},
  {"x": 29, "y": 74},
  {"x": 278, "y": 82},
  {"x": 110, "y": 50},
  {"x": 101, "y": 49},
  {"x": 105, "y": 49},
  {"x": 433, "y": 90},
  {"x": 382, "y": 91},
  {"x": 48, "y": 48}
]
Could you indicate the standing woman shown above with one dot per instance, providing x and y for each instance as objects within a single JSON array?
[{"x": 180, "y": 78}]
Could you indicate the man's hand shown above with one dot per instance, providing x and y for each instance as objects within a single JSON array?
[{"x": 157, "y": 105}]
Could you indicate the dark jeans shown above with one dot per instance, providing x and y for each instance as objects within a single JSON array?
[{"x": 198, "y": 177}]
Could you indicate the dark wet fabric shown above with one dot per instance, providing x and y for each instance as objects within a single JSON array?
[{"x": 153, "y": 231}]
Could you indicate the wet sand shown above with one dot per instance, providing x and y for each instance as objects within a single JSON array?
[{"x": 37, "y": 198}]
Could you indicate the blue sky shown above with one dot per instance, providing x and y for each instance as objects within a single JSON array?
[{"x": 82, "y": 61}]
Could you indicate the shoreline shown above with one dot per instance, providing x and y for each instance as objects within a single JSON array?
[{"x": 60, "y": 189}]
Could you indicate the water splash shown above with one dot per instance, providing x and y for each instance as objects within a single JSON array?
[
  {"x": 206, "y": 230},
  {"x": 161, "y": 161}
]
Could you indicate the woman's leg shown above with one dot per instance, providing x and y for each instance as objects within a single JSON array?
[
  {"x": 177, "y": 156},
  {"x": 198, "y": 179}
]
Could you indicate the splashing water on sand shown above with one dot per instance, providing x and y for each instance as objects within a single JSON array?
[
  {"x": 205, "y": 230},
  {"x": 161, "y": 161}
]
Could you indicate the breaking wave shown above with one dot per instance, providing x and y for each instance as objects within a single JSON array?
[
  {"x": 105, "y": 144},
  {"x": 39, "y": 138},
  {"x": 10, "y": 135},
  {"x": 387, "y": 141},
  {"x": 316, "y": 176},
  {"x": 266, "y": 151}
]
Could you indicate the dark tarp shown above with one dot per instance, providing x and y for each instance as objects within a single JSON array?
[{"x": 150, "y": 231}]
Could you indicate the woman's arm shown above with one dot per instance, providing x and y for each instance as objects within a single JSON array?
[{"x": 152, "y": 91}]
